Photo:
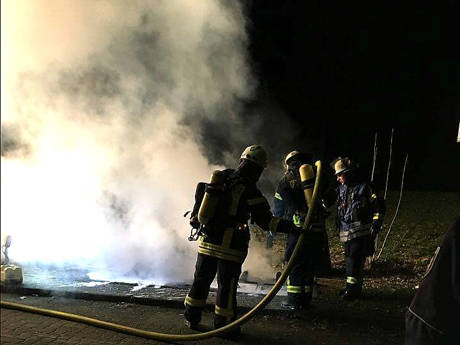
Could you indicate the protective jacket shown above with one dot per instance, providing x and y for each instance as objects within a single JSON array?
[
  {"x": 227, "y": 235},
  {"x": 358, "y": 208},
  {"x": 289, "y": 202}
]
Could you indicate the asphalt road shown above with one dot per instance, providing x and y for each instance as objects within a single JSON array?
[{"x": 304, "y": 328}]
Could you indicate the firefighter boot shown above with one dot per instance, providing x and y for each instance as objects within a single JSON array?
[
  {"x": 352, "y": 292},
  {"x": 221, "y": 321},
  {"x": 307, "y": 300},
  {"x": 295, "y": 301},
  {"x": 192, "y": 317}
]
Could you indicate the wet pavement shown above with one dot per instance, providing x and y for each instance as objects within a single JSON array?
[
  {"x": 76, "y": 283},
  {"x": 72, "y": 290},
  {"x": 19, "y": 327}
]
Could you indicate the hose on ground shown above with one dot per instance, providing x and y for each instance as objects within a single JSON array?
[{"x": 185, "y": 337}]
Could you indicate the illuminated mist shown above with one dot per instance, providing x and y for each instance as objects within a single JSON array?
[{"x": 100, "y": 151}]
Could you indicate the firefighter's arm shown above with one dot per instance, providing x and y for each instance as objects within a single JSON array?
[
  {"x": 329, "y": 197},
  {"x": 262, "y": 216},
  {"x": 199, "y": 194},
  {"x": 279, "y": 202},
  {"x": 377, "y": 205}
]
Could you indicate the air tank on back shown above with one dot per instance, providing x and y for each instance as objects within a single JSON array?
[{"x": 211, "y": 197}]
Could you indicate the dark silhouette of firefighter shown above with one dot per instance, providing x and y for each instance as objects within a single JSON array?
[
  {"x": 290, "y": 203},
  {"x": 434, "y": 313},
  {"x": 360, "y": 212},
  {"x": 222, "y": 210}
]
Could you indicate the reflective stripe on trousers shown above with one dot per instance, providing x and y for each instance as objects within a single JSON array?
[
  {"x": 197, "y": 303},
  {"x": 354, "y": 232},
  {"x": 297, "y": 289}
]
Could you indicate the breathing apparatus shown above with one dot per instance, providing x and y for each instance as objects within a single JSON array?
[
  {"x": 253, "y": 160},
  {"x": 207, "y": 197},
  {"x": 307, "y": 178},
  {"x": 214, "y": 190}
]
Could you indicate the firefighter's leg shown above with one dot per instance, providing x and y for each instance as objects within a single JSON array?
[
  {"x": 195, "y": 301},
  {"x": 323, "y": 266},
  {"x": 227, "y": 280},
  {"x": 296, "y": 281},
  {"x": 312, "y": 255},
  {"x": 314, "y": 262},
  {"x": 354, "y": 264}
]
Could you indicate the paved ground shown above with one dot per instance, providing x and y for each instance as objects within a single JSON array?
[
  {"x": 376, "y": 320},
  {"x": 281, "y": 328},
  {"x": 71, "y": 282}
]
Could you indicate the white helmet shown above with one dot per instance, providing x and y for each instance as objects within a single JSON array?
[
  {"x": 343, "y": 165},
  {"x": 256, "y": 154},
  {"x": 293, "y": 155}
]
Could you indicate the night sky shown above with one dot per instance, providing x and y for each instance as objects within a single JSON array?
[{"x": 343, "y": 73}]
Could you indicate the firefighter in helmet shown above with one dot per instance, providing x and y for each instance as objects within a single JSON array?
[
  {"x": 360, "y": 212},
  {"x": 290, "y": 204},
  {"x": 229, "y": 201}
]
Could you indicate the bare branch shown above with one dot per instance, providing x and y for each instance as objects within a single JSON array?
[
  {"x": 374, "y": 158},
  {"x": 389, "y": 165},
  {"x": 372, "y": 180},
  {"x": 397, "y": 208}
]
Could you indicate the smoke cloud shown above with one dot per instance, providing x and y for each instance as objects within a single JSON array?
[{"x": 111, "y": 113}]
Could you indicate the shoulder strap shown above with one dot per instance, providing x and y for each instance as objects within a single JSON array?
[{"x": 233, "y": 178}]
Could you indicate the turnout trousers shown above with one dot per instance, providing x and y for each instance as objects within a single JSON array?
[
  {"x": 356, "y": 251},
  {"x": 228, "y": 273},
  {"x": 301, "y": 279}
]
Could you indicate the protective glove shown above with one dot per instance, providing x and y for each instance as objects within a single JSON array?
[
  {"x": 300, "y": 230},
  {"x": 194, "y": 222},
  {"x": 296, "y": 230},
  {"x": 375, "y": 228}
]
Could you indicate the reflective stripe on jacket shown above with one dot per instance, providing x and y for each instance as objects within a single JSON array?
[{"x": 357, "y": 207}]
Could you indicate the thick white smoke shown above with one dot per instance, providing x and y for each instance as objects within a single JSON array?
[{"x": 97, "y": 164}]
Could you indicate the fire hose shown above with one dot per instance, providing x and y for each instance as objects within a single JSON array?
[{"x": 184, "y": 337}]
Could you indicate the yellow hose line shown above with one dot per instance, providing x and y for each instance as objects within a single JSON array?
[{"x": 183, "y": 337}]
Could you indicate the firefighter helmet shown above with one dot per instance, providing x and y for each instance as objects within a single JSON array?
[
  {"x": 342, "y": 165},
  {"x": 297, "y": 155},
  {"x": 255, "y": 154}
]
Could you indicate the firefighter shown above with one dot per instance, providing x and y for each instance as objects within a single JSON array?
[
  {"x": 434, "y": 313},
  {"x": 360, "y": 214},
  {"x": 224, "y": 246},
  {"x": 290, "y": 204}
]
